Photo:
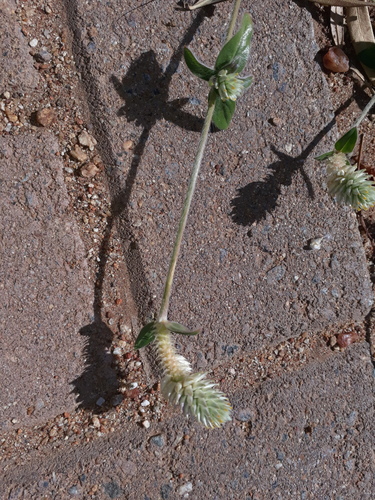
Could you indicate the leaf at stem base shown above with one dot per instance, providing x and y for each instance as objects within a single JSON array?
[{"x": 146, "y": 335}]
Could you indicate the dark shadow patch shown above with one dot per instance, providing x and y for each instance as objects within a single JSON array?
[{"x": 256, "y": 199}]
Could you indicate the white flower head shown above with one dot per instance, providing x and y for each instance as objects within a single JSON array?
[
  {"x": 197, "y": 395},
  {"x": 229, "y": 86},
  {"x": 349, "y": 185}
]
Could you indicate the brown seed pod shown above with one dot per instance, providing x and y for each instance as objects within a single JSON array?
[{"x": 336, "y": 60}]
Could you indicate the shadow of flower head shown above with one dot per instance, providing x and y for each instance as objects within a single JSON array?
[{"x": 256, "y": 199}]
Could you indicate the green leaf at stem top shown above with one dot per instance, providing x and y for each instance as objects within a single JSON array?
[
  {"x": 198, "y": 69},
  {"x": 146, "y": 335},
  {"x": 347, "y": 142},
  {"x": 177, "y": 328},
  {"x": 235, "y": 53}
]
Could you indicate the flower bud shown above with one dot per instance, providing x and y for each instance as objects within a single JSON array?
[{"x": 229, "y": 86}]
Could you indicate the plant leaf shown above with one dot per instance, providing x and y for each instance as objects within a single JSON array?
[
  {"x": 347, "y": 142},
  {"x": 223, "y": 111},
  {"x": 177, "y": 328},
  {"x": 198, "y": 69},
  {"x": 367, "y": 56},
  {"x": 235, "y": 53},
  {"x": 146, "y": 335},
  {"x": 247, "y": 81},
  {"x": 324, "y": 156}
]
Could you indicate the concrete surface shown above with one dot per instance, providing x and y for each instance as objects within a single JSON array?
[
  {"x": 46, "y": 293},
  {"x": 17, "y": 70},
  {"x": 246, "y": 274},
  {"x": 306, "y": 435}
]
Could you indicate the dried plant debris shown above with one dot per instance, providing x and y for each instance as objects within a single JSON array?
[
  {"x": 344, "y": 3},
  {"x": 337, "y": 21},
  {"x": 362, "y": 35}
]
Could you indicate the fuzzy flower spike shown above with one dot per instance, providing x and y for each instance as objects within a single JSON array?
[
  {"x": 349, "y": 185},
  {"x": 193, "y": 392}
]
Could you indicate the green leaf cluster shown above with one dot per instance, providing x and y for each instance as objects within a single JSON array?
[{"x": 232, "y": 58}]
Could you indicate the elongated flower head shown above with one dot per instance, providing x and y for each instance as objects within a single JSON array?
[
  {"x": 229, "y": 86},
  {"x": 197, "y": 395},
  {"x": 348, "y": 185}
]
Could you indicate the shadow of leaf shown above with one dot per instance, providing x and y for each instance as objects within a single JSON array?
[{"x": 145, "y": 90}]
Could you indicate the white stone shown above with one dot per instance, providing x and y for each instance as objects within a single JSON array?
[{"x": 185, "y": 488}]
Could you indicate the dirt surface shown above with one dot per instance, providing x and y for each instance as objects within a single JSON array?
[{"x": 97, "y": 109}]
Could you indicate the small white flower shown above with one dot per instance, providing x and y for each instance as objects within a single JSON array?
[
  {"x": 348, "y": 185},
  {"x": 229, "y": 86}
]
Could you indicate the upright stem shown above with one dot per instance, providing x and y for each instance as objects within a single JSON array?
[
  {"x": 370, "y": 104},
  {"x": 233, "y": 19},
  {"x": 185, "y": 212},
  {"x": 163, "y": 314}
]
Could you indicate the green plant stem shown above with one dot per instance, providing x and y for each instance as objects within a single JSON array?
[
  {"x": 163, "y": 315},
  {"x": 364, "y": 113},
  {"x": 233, "y": 19}
]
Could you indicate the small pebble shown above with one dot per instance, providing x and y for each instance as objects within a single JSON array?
[
  {"x": 128, "y": 145},
  {"x": 45, "y": 117},
  {"x": 73, "y": 490},
  {"x": 345, "y": 339},
  {"x": 133, "y": 385},
  {"x": 47, "y": 9},
  {"x": 117, "y": 351},
  {"x": 158, "y": 440},
  {"x": 336, "y": 60},
  {"x": 34, "y": 42},
  {"x": 315, "y": 243},
  {"x": 276, "y": 121},
  {"x": 89, "y": 170},
  {"x": 6, "y": 95},
  {"x": 43, "y": 56},
  {"x": 87, "y": 140},
  {"x": 78, "y": 154},
  {"x": 100, "y": 401},
  {"x": 146, "y": 424},
  {"x": 185, "y": 488},
  {"x": 95, "y": 422},
  {"x": 146, "y": 402}
]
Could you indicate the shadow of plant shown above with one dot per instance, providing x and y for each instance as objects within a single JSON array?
[
  {"x": 146, "y": 104},
  {"x": 256, "y": 199}
]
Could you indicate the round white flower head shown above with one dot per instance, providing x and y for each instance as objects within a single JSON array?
[
  {"x": 348, "y": 185},
  {"x": 229, "y": 86}
]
